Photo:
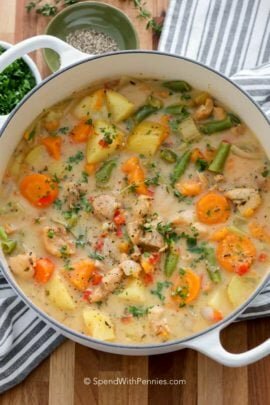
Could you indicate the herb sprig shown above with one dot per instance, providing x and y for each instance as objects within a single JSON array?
[
  {"x": 145, "y": 14},
  {"x": 48, "y": 9}
]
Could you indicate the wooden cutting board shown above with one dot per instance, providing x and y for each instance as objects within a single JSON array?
[{"x": 59, "y": 380}]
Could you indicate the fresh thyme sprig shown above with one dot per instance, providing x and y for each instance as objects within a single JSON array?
[
  {"x": 145, "y": 14},
  {"x": 48, "y": 9}
]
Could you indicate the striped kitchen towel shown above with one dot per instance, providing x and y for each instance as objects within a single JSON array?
[
  {"x": 228, "y": 35},
  {"x": 233, "y": 37}
]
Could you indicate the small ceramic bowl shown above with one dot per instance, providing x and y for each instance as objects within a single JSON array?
[
  {"x": 91, "y": 15},
  {"x": 32, "y": 66}
]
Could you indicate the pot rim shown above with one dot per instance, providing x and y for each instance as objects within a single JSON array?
[{"x": 71, "y": 332}]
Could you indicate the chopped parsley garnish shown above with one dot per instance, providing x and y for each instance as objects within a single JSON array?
[
  {"x": 201, "y": 164},
  {"x": 80, "y": 241},
  {"x": 265, "y": 172},
  {"x": 96, "y": 256},
  {"x": 63, "y": 130},
  {"x": 58, "y": 204},
  {"x": 55, "y": 178},
  {"x": 159, "y": 289},
  {"x": 67, "y": 265},
  {"x": 64, "y": 251},
  {"x": 75, "y": 159},
  {"x": 168, "y": 232},
  {"x": 85, "y": 177},
  {"x": 108, "y": 135},
  {"x": 179, "y": 196},
  {"x": 137, "y": 312},
  {"x": 152, "y": 181},
  {"x": 51, "y": 233},
  {"x": 15, "y": 82}
]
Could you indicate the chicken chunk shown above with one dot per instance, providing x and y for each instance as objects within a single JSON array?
[
  {"x": 152, "y": 240},
  {"x": 205, "y": 110},
  {"x": 186, "y": 217},
  {"x": 109, "y": 283},
  {"x": 104, "y": 206},
  {"x": 23, "y": 265},
  {"x": 134, "y": 231},
  {"x": 130, "y": 268},
  {"x": 74, "y": 192},
  {"x": 57, "y": 241},
  {"x": 246, "y": 199},
  {"x": 158, "y": 322},
  {"x": 142, "y": 207}
]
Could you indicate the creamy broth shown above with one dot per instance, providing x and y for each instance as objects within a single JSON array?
[{"x": 137, "y": 211}]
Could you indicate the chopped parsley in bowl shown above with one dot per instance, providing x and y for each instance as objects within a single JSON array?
[{"x": 15, "y": 82}]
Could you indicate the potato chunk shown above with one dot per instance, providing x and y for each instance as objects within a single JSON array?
[
  {"x": 106, "y": 139},
  {"x": 91, "y": 106},
  {"x": 134, "y": 292},
  {"x": 240, "y": 288},
  {"x": 119, "y": 106},
  {"x": 98, "y": 324},
  {"x": 59, "y": 295},
  {"x": 146, "y": 138}
]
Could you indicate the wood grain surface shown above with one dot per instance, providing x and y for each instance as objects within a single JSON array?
[{"x": 59, "y": 380}]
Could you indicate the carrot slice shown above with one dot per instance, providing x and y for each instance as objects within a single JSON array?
[
  {"x": 135, "y": 174},
  {"x": 44, "y": 269},
  {"x": 236, "y": 252},
  {"x": 196, "y": 154},
  {"x": 213, "y": 208},
  {"x": 189, "y": 188},
  {"x": 81, "y": 274},
  {"x": 53, "y": 146},
  {"x": 90, "y": 168},
  {"x": 186, "y": 287},
  {"x": 219, "y": 234},
  {"x": 39, "y": 189},
  {"x": 81, "y": 132}
]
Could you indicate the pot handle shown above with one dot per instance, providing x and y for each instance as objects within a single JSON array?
[
  {"x": 210, "y": 345},
  {"x": 67, "y": 53}
]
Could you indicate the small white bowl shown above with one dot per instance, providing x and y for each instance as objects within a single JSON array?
[{"x": 32, "y": 66}]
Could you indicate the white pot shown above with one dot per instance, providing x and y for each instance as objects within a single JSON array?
[{"x": 78, "y": 71}]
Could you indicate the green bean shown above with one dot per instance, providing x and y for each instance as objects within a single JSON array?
[
  {"x": 180, "y": 167},
  {"x": 212, "y": 268},
  {"x": 214, "y": 275},
  {"x": 174, "y": 109},
  {"x": 177, "y": 85},
  {"x": 171, "y": 261},
  {"x": 144, "y": 112},
  {"x": 8, "y": 246},
  {"x": 104, "y": 173},
  {"x": 234, "y": 118},
  {"x": 220, "y": 158},
  {"x": 168, "y": 155},
  {"x": 217, "y": 126},
  {"x": 154, "y": 102},
  {"x": 3, "y": 235}
]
